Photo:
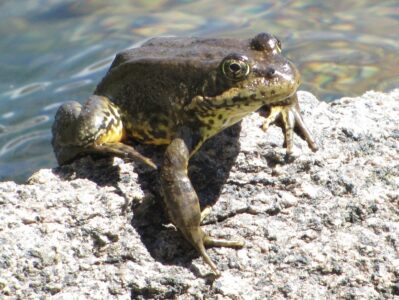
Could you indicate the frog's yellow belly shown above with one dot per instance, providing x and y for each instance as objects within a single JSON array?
[{"x": 155, "y": 130}]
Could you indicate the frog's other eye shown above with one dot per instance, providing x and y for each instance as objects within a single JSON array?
[
  {"x": 266, "y": 42},
  {"x": 235, "y": 67}
]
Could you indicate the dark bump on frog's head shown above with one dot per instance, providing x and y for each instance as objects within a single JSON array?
[{"x": 264, "y": 42}]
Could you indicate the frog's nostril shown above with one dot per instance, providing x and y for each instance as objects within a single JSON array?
[{"x": 270, "y": 72}]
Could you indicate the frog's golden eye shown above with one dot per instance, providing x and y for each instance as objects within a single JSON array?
[{"x": 236, "y": 67}]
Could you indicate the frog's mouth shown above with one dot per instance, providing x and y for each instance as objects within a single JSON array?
[{"x": 261, "y": 92}]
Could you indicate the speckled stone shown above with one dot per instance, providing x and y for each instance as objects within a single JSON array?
[{"x": 324, "y": 226}]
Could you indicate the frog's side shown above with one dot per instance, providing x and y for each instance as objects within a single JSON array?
[{"x": 180, "y": 92}]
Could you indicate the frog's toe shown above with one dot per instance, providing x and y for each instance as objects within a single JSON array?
[
  {"x": 291, "y": 121},
  {"x": 200, "y": 240},
  {"x": 207, "y": 210},
  {"x": 212, "y": 242},
  {"x": 301, "y": 129},
  {"x": 201, "y": 249}
]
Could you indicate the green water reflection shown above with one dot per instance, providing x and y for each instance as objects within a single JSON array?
[{"x": 53, "y": 51}]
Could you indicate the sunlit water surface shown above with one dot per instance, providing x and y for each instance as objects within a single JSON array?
[{"x": 53, "y": 51}]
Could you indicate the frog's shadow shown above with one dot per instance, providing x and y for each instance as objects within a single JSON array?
[{"x": 208, "y": 171}]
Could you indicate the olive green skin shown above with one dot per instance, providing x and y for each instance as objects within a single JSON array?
[
  {"x": 180, "y": 92},
  {"x": 162, "y": 81}
]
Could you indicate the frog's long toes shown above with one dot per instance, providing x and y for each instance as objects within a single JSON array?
[
  {"x": 271, "y": 118},
  {"x": 291, "y": 121},
  {"x": 212, "y": 242},
  {"x": 201, "y": 249},
  {"x": 303, "y": 131},
  {"x": 199, "y": 239}
]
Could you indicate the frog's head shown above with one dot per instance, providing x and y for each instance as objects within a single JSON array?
[
  {"x": 253, "y": 73},
  {"x": 262, "y": 72},
  {"x": 256, "y": 73}
]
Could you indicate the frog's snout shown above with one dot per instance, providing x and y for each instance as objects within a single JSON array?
[
  {"x": 280, "y": 80},
  {"x": 291, "y": 75},
  {"x": 280, "y": 74}
]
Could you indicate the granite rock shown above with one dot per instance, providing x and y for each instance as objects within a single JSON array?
[{"x": 323, "y": 226}]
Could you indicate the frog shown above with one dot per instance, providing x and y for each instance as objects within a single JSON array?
[{"x": 179, "y": 92}]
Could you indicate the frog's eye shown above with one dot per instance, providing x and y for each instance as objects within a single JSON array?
[
  {"x": 266, "y": 42},
  {"x": 235, "y": 67}
]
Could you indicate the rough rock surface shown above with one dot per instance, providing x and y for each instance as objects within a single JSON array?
[{"x": 324, "y": 226}]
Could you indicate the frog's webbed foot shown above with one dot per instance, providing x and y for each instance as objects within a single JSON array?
[
  {"x": 182, "y": 203},
  {"x": 94, "y": 128},
  {"x": 199, "y": 239},
  {"x": 291, "y": 119}
]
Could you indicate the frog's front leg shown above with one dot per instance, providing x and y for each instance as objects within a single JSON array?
[
  {"x": 95, "y": 127},
  {"x": 182, "y": 203},
  {"x": 291, "y": 118}
]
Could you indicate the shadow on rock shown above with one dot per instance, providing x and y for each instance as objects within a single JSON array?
[
  {"x": 208, "y": 171},
  {"x": 97, "y": 169}
]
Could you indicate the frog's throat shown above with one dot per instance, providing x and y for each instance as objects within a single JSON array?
[
  {"x": 224, "y": 110},
  {"x": 231, "y": 106}
]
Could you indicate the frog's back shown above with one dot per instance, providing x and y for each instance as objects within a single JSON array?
[
  {"x": 152, "y": 84},
  {"x": 158, "y": 76},
  {"x": 193, "y": 51},
  {"x": 164, "y": 71}
]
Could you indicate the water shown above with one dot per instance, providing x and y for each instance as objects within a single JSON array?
[{"x": 57, "y": 50}]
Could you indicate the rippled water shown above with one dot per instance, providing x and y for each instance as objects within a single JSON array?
[{"x": 53, "y": 51}]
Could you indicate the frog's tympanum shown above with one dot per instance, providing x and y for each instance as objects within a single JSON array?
[{"x": 180, "y": 92}]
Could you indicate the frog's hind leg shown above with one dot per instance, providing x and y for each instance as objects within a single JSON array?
[
  {"x": 94, "y": 128},
  {"x": 182, "y": 203}
]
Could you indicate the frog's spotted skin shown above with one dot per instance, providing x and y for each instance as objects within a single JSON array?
[{"x": 180, "y": 92}]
